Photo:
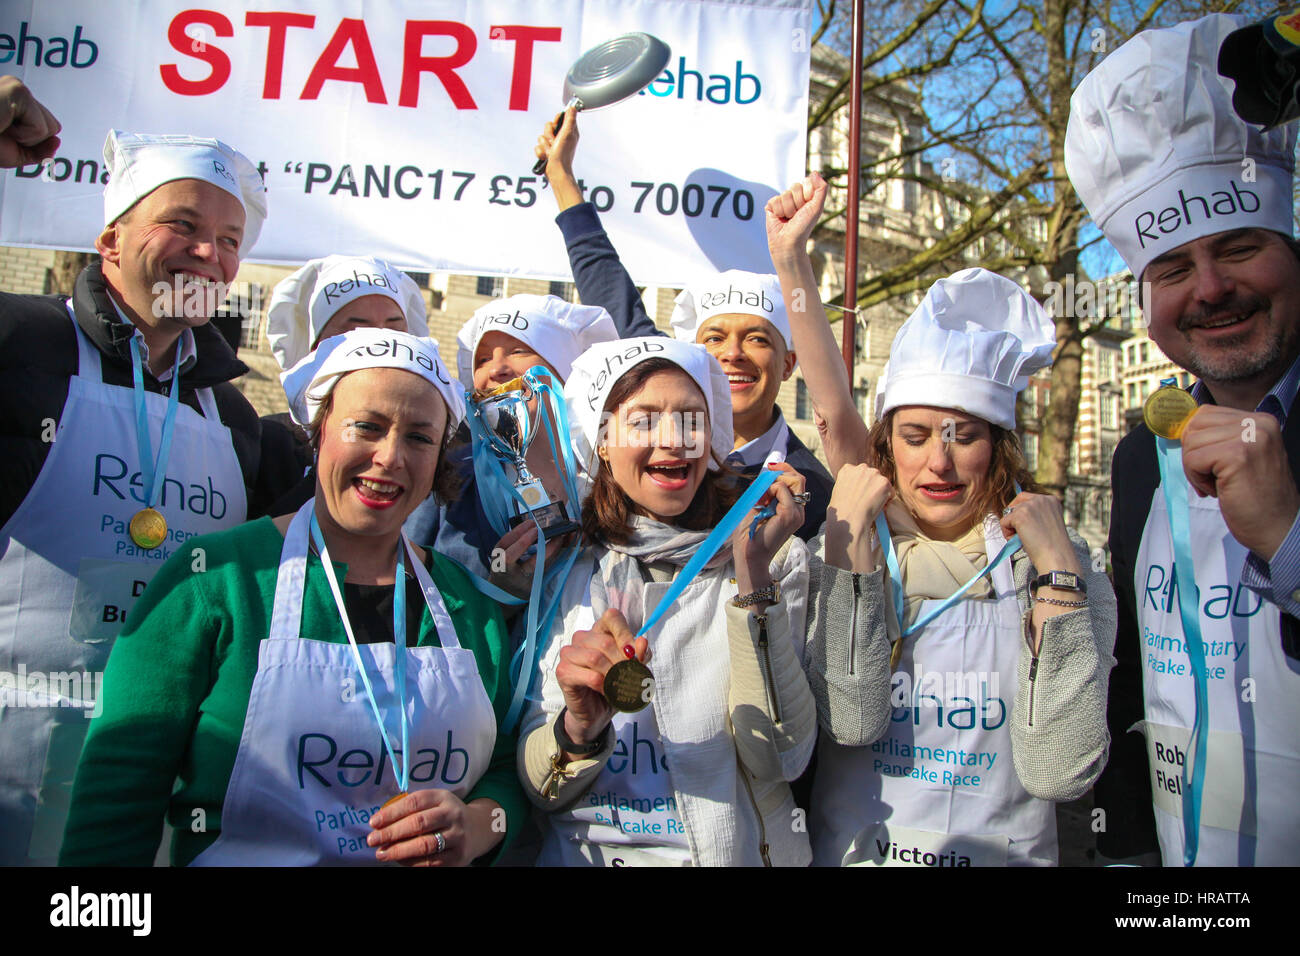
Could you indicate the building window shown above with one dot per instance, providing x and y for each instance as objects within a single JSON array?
[
  {"x": 490, "y": 285},
  {"x": 1142, "y": 352},
  {"x": 420, "y": 278},
  {"x": 1031, "y": 451},
  {"x": 563, "y": 290},
  {"x": 1108, "y": 410},
  {"x": 802, "y": 407}
]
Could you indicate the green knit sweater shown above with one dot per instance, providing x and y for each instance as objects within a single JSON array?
[{"x": 177, "y": 686}]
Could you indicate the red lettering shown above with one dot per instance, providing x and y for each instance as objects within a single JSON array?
[
  {"x": 522, "y": 73},
  {"x": 210, "y": 54},
  {"x": 366, "y": 72},
  {"x": 279, "y": 24},
  {"x": 443, "y": 67}
]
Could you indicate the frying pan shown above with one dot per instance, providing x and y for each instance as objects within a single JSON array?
[{"x": 610, "y": 72}]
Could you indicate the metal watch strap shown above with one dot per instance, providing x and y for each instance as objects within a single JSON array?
[{"x": 770, "y": 593}]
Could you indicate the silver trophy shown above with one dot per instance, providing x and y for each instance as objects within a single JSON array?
[{"x": 510, "y": 429}]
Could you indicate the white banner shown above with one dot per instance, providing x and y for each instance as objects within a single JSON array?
[{"x": 405, "y": 128}]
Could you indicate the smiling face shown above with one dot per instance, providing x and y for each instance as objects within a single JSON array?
[
  {"x": 1226, "y": 307},
  {"x": 185, "y": 231},
  {"x": 379, "y": 445},
  {"x": 753, "y": 354},
  {"x": 940, "y": 481},
  {"x": 656, "y": 444},
  {"x": 499, "y": 358},
  {"x": 367, "y": 312}
]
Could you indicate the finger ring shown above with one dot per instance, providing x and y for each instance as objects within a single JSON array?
[
  {"x": 1007, "y": 510},
  {"x": 442, "y": 843},
  {"x": 803, "y": 497}
]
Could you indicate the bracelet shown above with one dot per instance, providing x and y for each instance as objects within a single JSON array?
[
  {"x": 568, "y": 746},
  {"x": 770, "y": 593},
  {"x": 1046, "y": 600}
]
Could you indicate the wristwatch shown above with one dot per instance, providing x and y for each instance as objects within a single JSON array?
[
  {"x": 1065, "y": 580},
  {"x": 771, "y": 593},
  {"x": 568, "y": 746}
]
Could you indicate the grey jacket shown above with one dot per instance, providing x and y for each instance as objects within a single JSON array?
[{"x": 1059, "y": 747}]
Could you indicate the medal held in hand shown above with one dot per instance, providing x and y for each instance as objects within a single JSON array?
[
  {"x": 1167, "y": 411},
  {"x": 629, "y": 686},
  {"x": 510, "y": 429}
]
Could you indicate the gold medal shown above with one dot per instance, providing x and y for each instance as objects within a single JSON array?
[
  {"x": 629, "y": 686},
  {"x": 1167, "y": 410},
  {"x": 392, "y": 800},
  {"x": 148, "y": 528}
]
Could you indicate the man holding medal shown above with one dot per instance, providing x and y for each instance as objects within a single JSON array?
[
  {"x": 123, "y": 438},
  {"x": 1205, "y": 534}
]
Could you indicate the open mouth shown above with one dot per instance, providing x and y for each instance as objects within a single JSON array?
[
  {"x": 1225, "y": 322},
  {"x": 670, "y": 475},
  {"x": 376, "y": 492},
  {"x": 739, "y": 381},
  {"x": 942, "y": 492}
]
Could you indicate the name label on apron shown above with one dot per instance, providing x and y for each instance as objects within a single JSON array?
[
  {"x": 892, "y": 845},
  {"x": 1223, "y": 801}
]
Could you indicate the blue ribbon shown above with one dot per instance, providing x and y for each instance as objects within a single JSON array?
[
  {"x": 399, "y": 653},
  {"x": 709, "y": 547},
  {"x": 151, "y": 468},
  {"x": 1170, "y": 456},
  {"x": 896, "y": 576},
  {"x": 496, "y": 492}
]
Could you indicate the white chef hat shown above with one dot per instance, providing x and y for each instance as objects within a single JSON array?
[
  {"x": 1159, "y": 157},
  {"x": 596, "y": 370},
  {"x": 557, "y": 330},
  {"x": 138, "y": 163},
  {"x": 971, "y": 345},
  {"x": 304, "y": 302},
  {"x": 733, "y": 291},
  {"x": 309, "y": 383}
]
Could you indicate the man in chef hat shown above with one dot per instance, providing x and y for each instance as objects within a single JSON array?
[
  {"x": 1199, "y": 205},
  {"x": 123, "y": 436}
]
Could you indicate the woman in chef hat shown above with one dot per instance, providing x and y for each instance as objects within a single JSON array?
[
  {"x": 1001, "y": 628},
  {"x": 325, "y": 298},
  {"x": 693, "y": 769}
]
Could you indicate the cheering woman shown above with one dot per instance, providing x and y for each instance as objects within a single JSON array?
[
  {"x": 314, "y": 689},
  {"x": 999, "y": 687},
  {"x": 699, "y": 775}
]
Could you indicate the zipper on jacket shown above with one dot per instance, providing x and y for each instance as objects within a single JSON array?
[
  {"x": 762, "y": 827},
  {"x": 1033, "y": 673},
  {"x": 767, "y": 667},
  {"x": 853, "y": 625},
  {"x": 1033, "y": 660}
]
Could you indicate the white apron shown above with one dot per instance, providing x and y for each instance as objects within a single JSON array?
[
  {"x": 312, "y": 766},
  {"x": 629, "y": 816},
  {"x": 1250, "y": 804},
  {"x": 940, "y": 787},
  {"x": 69, "y": 574}
]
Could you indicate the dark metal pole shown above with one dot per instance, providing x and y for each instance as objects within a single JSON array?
[{"x": 849, "y": 318}]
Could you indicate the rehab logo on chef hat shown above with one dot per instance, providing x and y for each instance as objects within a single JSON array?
[
  {"x": 309, "y": 383},
  {"x": 596, "y": 371}
]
